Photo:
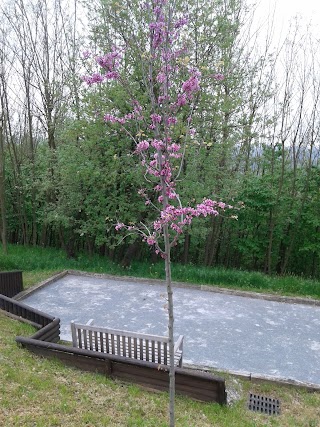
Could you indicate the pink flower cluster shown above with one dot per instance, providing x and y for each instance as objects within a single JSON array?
[
  {"x": 158, "y": 152},
  {"x": 178, "y": 218},
  {"x": 181, "y": 22},
  {"x": 135, "y": 114},
  {"x": 158, "y": 33},
  {"x": 142, "y": 146},
  {"x": 99, "y": 78},
  {"x": 110, "y": 62},
  {"x": 86, "y": 54},
  {"x": 181, "y": 100},
  {"x": 175, "y": 217},
  {"x": 218, "y": 76},
  {"x": 157, "y": 28},
  {"x": 94, "y": 78},
  {"x": 192, "y": 85}
]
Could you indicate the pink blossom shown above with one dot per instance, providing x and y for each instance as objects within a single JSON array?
[
  {"x": 176, "y": 228},
  {"x": 157, "y": 144},
  {"x": 111, "y": 75},
  {"x": 222, "y": 205},
  {"x": 158, "y": 153},
  {"x": 161, "y": 77},
  {"x": 86, "y": 54},
  {"x": 156, "y": 118},
  {"x": 119, "y": 226},
  {"x": 152, "y": 168},
  {"x": 157, "y": 225},
  {"x": 207, "y": 207},
  {"x": 191, "y": 85},
  {"x": 171, "y": 121},
  {"x": 158, "y": 32},
  {"x": 166, "y": 57},
  {"x": 151, "y": 240},
  {"x": 171, "y": 193},
  {"x": 110, "y": 61},
  {"x": 110, "y": 118},
  {"x": 181, "y": 100},
  {"x": 181, "y": 22},
  {"x": 142, "y": 146},
  {"x": 174, "y": 147},
  {"x": 137, "y": 109},
  {"x": 142, "y": 192},
  {"x": 94, "y": 78},
  {"x": 218, "y": 76}
]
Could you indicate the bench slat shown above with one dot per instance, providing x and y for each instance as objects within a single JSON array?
[
  {"x": 121, "y": 332},
  {"x": 150, "y": 348},
  {"x": 165, "y": 353},
  {"x": 135, "y": 348}
]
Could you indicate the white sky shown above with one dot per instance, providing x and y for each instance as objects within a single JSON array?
[
  {"x": 284, "y": 10},
  {"x": 275, "y": 17},
  {"x": 288, "y": 8}
]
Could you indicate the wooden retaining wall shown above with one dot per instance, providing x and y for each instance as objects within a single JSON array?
[
  {"x": 197, "y": 385},
  {"x": 49, "y": 333},
  {"x": 10, "y": 283},
  {"x": 22, "y": 311}
]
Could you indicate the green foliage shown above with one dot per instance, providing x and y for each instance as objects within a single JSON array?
[
  {"x": 39, "y": 263},
  {"x": 71, "y": 197}
]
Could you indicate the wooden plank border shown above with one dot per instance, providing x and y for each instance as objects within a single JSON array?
[
  {"x": 201, "y": 386},
  {"x": 11, "y": 283},
  {"x": 24, "y": 312}
]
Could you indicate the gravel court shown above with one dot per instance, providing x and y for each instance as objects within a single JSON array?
[{"x": 227, "y": 332}]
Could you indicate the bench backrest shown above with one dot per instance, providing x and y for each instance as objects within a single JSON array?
[{"x": 151, "y": 348}]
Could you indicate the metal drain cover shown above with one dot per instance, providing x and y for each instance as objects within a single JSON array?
[{"x": 263, "y": 404}]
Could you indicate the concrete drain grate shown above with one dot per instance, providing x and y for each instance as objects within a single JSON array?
[{"x": 263, "y": 404}]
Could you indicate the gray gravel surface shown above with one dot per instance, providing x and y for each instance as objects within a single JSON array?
[{"x": 226, "y": 332}]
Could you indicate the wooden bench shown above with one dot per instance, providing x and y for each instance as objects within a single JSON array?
[{"x": 150, "y": 348}]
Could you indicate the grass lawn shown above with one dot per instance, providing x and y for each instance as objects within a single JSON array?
[
  {"x": 39, "y": 263},
  {"x": 42, "y": 393}
]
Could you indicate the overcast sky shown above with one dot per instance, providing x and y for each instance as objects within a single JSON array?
[
  {"x": 281, "y": 12},
  {"x": 309, "y": 10}
]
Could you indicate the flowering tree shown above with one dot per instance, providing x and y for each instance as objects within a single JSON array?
[{"x": 172, "y": 86}]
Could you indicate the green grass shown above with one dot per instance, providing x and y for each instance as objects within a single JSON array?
[
  {"x": 39, "y": 263},
  {"x": 44, "y": 393}
]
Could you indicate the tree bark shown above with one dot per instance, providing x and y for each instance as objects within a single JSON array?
[
  {"x": 2, "y": 193},
  {"x": 170, "y": 323}
]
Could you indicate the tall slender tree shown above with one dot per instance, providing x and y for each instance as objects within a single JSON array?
[{"x": 172, "y": 85}]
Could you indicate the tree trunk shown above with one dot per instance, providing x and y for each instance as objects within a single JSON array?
[
  {"x": 212, "y": 241},
  {"x": 170, "y": 323},
  {"x": 2, "y": 195},
  {"x": 186, "y": 248},
  {"x": 268, "y": 257}
]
